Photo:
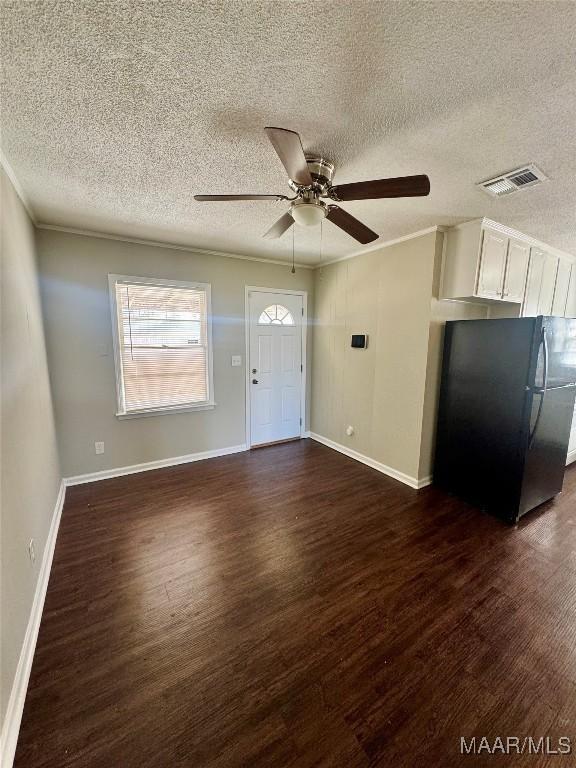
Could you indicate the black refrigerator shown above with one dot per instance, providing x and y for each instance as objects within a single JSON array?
[{"x": 505, "y": 412}]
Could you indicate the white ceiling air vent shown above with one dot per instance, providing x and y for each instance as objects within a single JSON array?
[{"x": 521, "y": 178}]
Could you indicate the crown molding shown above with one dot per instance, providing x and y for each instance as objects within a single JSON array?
[
  {"x": 189, "y": 249},
  {"x": 503, "y": 228},
  {"x": 137, "y": 241},
  {"x": 170, "y": 246},
  {"x": 385, "y": 244},
  {"x": 515, "y": 234},
  {"x": 16, "y": 184}
]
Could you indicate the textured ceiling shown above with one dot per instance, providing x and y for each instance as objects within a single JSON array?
[{"x": 115, "y": 113}]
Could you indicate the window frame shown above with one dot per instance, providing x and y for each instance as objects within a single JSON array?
[
  {"x": 121, "y": 412},
  {"x": 279, "y": 322}
]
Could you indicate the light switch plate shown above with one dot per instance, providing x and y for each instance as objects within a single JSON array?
[
  {"x": 99, "y": 448},
  {"x": 236, "y": 360}
]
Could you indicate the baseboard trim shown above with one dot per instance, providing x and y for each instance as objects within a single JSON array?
[
  {"x": 13, "y": 717},
  {"x": 571, "y": 457},
  {"x": 107, "y": 474},
  {"x": 424, "y": 481},
  {"x": 389, "y": 471}
]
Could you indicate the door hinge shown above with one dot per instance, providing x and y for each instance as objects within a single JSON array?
[
  {"x": 302, "y": 311},
  {"x": 300, "y": 420},
  {"x": 301, "y": 367}
]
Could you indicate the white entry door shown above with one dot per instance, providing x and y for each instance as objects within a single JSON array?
[{"x": 275, "y": 366}]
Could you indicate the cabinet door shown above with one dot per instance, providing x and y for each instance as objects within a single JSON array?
[
  {"x": 571, "y": 302},
  {"x": 516, "y": 269},
  {"x": 548, "y": 284},
  {"x": 561, "y": 288},
  {"x": 533, "y": 283},
  {"x": 492, "y": 265}
]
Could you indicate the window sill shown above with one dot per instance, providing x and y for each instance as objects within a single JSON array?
[{"x": 165, "y": 411}]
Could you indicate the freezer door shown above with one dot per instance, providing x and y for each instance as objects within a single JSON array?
[
  {"x": 550, "y": 424},
  {"x": 557, "y": 349}
]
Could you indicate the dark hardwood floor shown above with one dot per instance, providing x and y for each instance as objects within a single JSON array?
[{"x": 291, "y": 607}]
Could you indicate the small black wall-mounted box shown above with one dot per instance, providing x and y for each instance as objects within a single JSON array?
[{"x": 359, "y": 341}]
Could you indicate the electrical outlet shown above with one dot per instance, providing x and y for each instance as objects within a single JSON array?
[
  {"x": 236, "y": 360},
  {"x": 31, "y": 551},
  {"x": 99, "y": 447}
]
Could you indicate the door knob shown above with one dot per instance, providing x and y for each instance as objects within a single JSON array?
[{"x": 254, "y": 381}]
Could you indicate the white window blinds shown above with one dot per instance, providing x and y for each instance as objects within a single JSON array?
[{"x": 162, "y": 347}]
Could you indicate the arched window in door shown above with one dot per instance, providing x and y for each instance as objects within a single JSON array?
[{"x": 276, "y": 314}]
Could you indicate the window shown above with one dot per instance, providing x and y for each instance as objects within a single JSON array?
[
  {"x": 162, "y": 344},
  {"x": 276, "y": 314}
]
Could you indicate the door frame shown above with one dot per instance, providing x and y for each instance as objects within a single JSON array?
[{"x": 304, "y": 332}]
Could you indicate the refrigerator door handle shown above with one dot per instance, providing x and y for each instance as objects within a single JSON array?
[
  {"x": 572, "y": 384},
  {"x": 538, "y": 391}
]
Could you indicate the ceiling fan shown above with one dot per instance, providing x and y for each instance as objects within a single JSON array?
[{"x": 310, "y": 177}]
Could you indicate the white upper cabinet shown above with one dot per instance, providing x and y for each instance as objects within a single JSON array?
[
  {"x": 492, "y": 266},
  {"x": 541, "y": 298},
  {"x": 571, "y": 301},
  {"x": 533, "y": 283},
  {"x": 516, "y": 269},
  {"x": 486, "y": 262},
  {"x": 548, "y": 284},
  {"x": 483, "y": 264},
  {"x": 561, "y": 288}
]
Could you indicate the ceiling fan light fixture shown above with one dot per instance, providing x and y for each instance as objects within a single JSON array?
[{"x": 308, "y": 213}]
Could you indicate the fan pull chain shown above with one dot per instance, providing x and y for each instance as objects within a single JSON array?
[{"x": 293, "y": 270}]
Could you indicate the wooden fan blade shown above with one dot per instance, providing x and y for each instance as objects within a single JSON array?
[
  {"x": 210, "y": 198},
  {"x": 279, "y": 227},
  {"x": 289, "y": 149},
  {"x": 350, "y": 225},
  {"x": 403, "y": 186}
]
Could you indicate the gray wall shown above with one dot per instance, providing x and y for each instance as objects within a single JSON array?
[
  {"x": 30, "y": 476},
  {"x": 440, "y": 312},
  {"x": 378, "y": 391},
  {"x": 74, "y": 281},
  {"x": 388, "y": 393}
]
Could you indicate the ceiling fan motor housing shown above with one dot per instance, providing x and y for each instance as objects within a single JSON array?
[{"x": 322, "y": 172}]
